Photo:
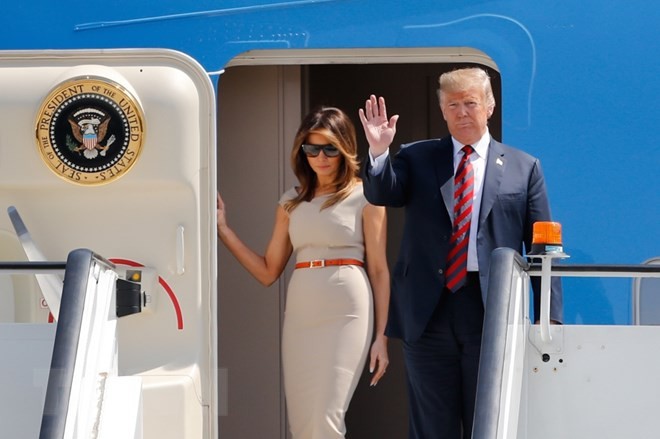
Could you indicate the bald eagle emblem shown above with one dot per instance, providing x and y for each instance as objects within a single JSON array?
[
  {"x": 89, "y": 127},
  {"x": 90, "y": 130}
]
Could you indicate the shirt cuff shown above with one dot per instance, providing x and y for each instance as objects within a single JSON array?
[{"x": 378, "y": 163}]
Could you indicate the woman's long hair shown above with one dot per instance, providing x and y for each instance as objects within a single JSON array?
[{"x": 333, "y": 124}]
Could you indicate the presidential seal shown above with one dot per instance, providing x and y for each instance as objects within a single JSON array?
[{"x": 90, "y": 130}]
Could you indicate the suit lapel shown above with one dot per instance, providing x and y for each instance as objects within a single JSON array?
[
  {"x": 445, "y": 173},
  {"x": 495, "y": 167}
]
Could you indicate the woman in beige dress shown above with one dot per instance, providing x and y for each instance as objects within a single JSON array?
[{"x": 341, "y": 281}]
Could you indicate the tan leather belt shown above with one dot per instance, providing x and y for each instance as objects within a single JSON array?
[{"x": 320, "y": 263}]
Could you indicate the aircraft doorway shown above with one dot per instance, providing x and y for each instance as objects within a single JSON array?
[{"x": 261, "y": 99}]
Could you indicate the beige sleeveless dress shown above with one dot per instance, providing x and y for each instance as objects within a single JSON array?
[{"x": 328, "y": 317}]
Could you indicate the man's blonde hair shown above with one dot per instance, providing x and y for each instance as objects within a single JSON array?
[{"x": 463, "y": 79}]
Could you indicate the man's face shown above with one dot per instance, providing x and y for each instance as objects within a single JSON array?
[{"x": 466, "y": 113}]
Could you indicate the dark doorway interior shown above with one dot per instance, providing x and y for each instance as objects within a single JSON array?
[
  {"x": 410, "y": 90},
  {"x": 253, "y": 170}
]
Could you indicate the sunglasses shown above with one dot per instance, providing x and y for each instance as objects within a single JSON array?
[{"x": 314, "y": 150}]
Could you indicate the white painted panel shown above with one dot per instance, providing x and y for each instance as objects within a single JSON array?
[
  {"x": 604, "y": 383},
  {"x": 26, "y": 351}
]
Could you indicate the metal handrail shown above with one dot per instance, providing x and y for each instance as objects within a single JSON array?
[
  {"x": 493, "y": 347},
  {"x": 37, "y": 267},
  {"x": 78, "y": 266},
  {"x": 598, "y": 270}
]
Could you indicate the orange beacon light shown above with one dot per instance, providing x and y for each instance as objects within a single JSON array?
[
  {"x": 546, "y": 239},
  {"x": 546, "y": 246}
]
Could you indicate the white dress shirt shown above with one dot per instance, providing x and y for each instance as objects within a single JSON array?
[{"x": 478, "y": 160}]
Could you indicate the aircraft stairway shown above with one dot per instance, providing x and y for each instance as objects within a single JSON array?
[
  {"x": 60, "y": 380},
  {"x": 539, "y": 381}
]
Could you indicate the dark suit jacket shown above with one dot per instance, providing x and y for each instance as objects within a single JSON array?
[{"x": 420, "y": 178}]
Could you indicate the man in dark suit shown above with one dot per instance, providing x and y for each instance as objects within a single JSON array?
[{"x": 464, "y": 196}]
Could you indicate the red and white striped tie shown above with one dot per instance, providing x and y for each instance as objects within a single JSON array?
[{"x": 456, "y": 271}]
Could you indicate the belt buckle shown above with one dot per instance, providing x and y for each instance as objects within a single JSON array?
[{"x": 317, "y": 263}]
